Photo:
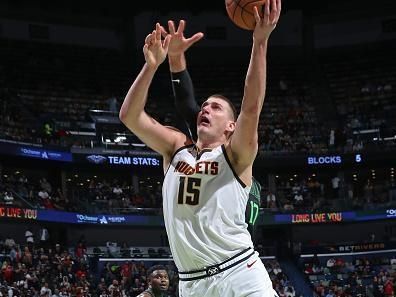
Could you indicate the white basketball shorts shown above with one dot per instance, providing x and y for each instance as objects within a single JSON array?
[{"x": 247, "y": 279}]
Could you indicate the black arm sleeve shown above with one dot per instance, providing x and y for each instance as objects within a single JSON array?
[{"x": 186, "y": 105}]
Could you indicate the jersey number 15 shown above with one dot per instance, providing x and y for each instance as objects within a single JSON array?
[{"x": 189, "y": 189}]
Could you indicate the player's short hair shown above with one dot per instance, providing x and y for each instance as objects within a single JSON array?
[
  {"x": 232, "y": 106},
  {"x": 154, "y": 268}
]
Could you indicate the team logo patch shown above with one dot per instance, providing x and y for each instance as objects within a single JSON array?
[
  {"x": 96, "y": 159},
  {"x": 212, "y": 270}
]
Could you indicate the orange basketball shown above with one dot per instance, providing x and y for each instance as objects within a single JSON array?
[{"x": 242, "y": 14}]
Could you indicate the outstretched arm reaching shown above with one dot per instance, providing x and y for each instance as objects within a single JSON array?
[
  {"x": 182, "y": 85},
  {"x": 244, "y": 142},
  {"x": 158, "y": 137}
]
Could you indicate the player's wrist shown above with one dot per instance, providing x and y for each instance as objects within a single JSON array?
[
  {"x": 151, "y": 66},
  {"x": 260, "y": 41},
  {"x": 177, "y": 63},
  {"x": 176, "y": 57}
]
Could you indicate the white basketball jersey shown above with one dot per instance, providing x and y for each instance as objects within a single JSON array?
[{"x": 204, "y": 205}]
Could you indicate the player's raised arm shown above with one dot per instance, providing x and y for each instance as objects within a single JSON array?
[
  {"x": 182, "y": 85},
  {"x": 132, "y": 113},
  {"x": 244, "y": 142}
]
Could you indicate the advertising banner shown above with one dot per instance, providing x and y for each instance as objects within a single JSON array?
[{"x": 157, "y": 220}]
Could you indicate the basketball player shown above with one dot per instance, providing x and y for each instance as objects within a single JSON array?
[
  {"x": 207, "y": 183},
  {"x": 158, "y": 282},
  {"x": 188, "y": 108}
]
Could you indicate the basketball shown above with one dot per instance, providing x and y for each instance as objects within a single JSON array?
[{"x": 242, "y": 14}]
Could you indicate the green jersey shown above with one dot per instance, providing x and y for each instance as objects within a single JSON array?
[{"x": 253, "y": 207}]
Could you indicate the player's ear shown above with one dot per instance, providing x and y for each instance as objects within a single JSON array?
[{"x": 231, "y": 126}]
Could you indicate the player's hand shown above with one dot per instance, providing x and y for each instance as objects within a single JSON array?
[
  {"x": 155, "y": 49},
  {"x": 179, "y": 43},
  {"x": 266, "y": 24}
]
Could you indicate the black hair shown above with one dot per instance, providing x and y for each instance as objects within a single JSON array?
[{"x": 154, "y": 268}]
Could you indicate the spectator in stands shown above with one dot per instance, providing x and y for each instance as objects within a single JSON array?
[
  {"x": 290, "y": 292},
  {"x": 280, "y": 290},
  {"x": 350, "y": 191},
  {"x": 8, "y": 198},
  {"x": 103, "y": 293},
  {"x": 80, "y": 250},
  {"x": 271, "y": 200},
  {"x": 112, "y": 249},
  {"x": 43, "y": 194},
  {"x": 331, "y": 263},
  {"x": 331, "y": 139},
  {"x": 335, "y": 184},
  {"x": 15, "y": 254},
  {"x": 7, "y": 272},
  {"x": 113, "y": 104},
  {"x": 277, "y": 269},
  {"x": 47, "y": 130},
  {"x": 298, "y": 199},
  {"x": 368, "y": 192},
  {"x": 65, "y": 283},
  {"x": 45, "y": 185},
  {"x": 125, "y": 251},
  {"x": 137, "y": 287},
  {"x": 117, "y": 190},
  {"x": 137, "y": 200},
  {"x": 360, "y": 291},
  {"x": 312, "y": 189},
  {"x": 9, "y": 242},
  {"x": 45, "y": 291},
  {"x": 330, "y": 293},
  {"x": 44, "y": 237},
  {"x": 320, "y": 289},
  {"x": 288, "y": 206},
  {"x": 22, "y": 187},
  {"x": 81, "y": 279},
  {"x": 357, "y": 146},
  {"x": 378, "y": 287},
  {"x": 388, "y": 288}
]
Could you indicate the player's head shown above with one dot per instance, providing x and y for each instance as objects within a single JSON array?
[
  {"x": 217, "y": 118},
  {"x": 158, "y": 278}
]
